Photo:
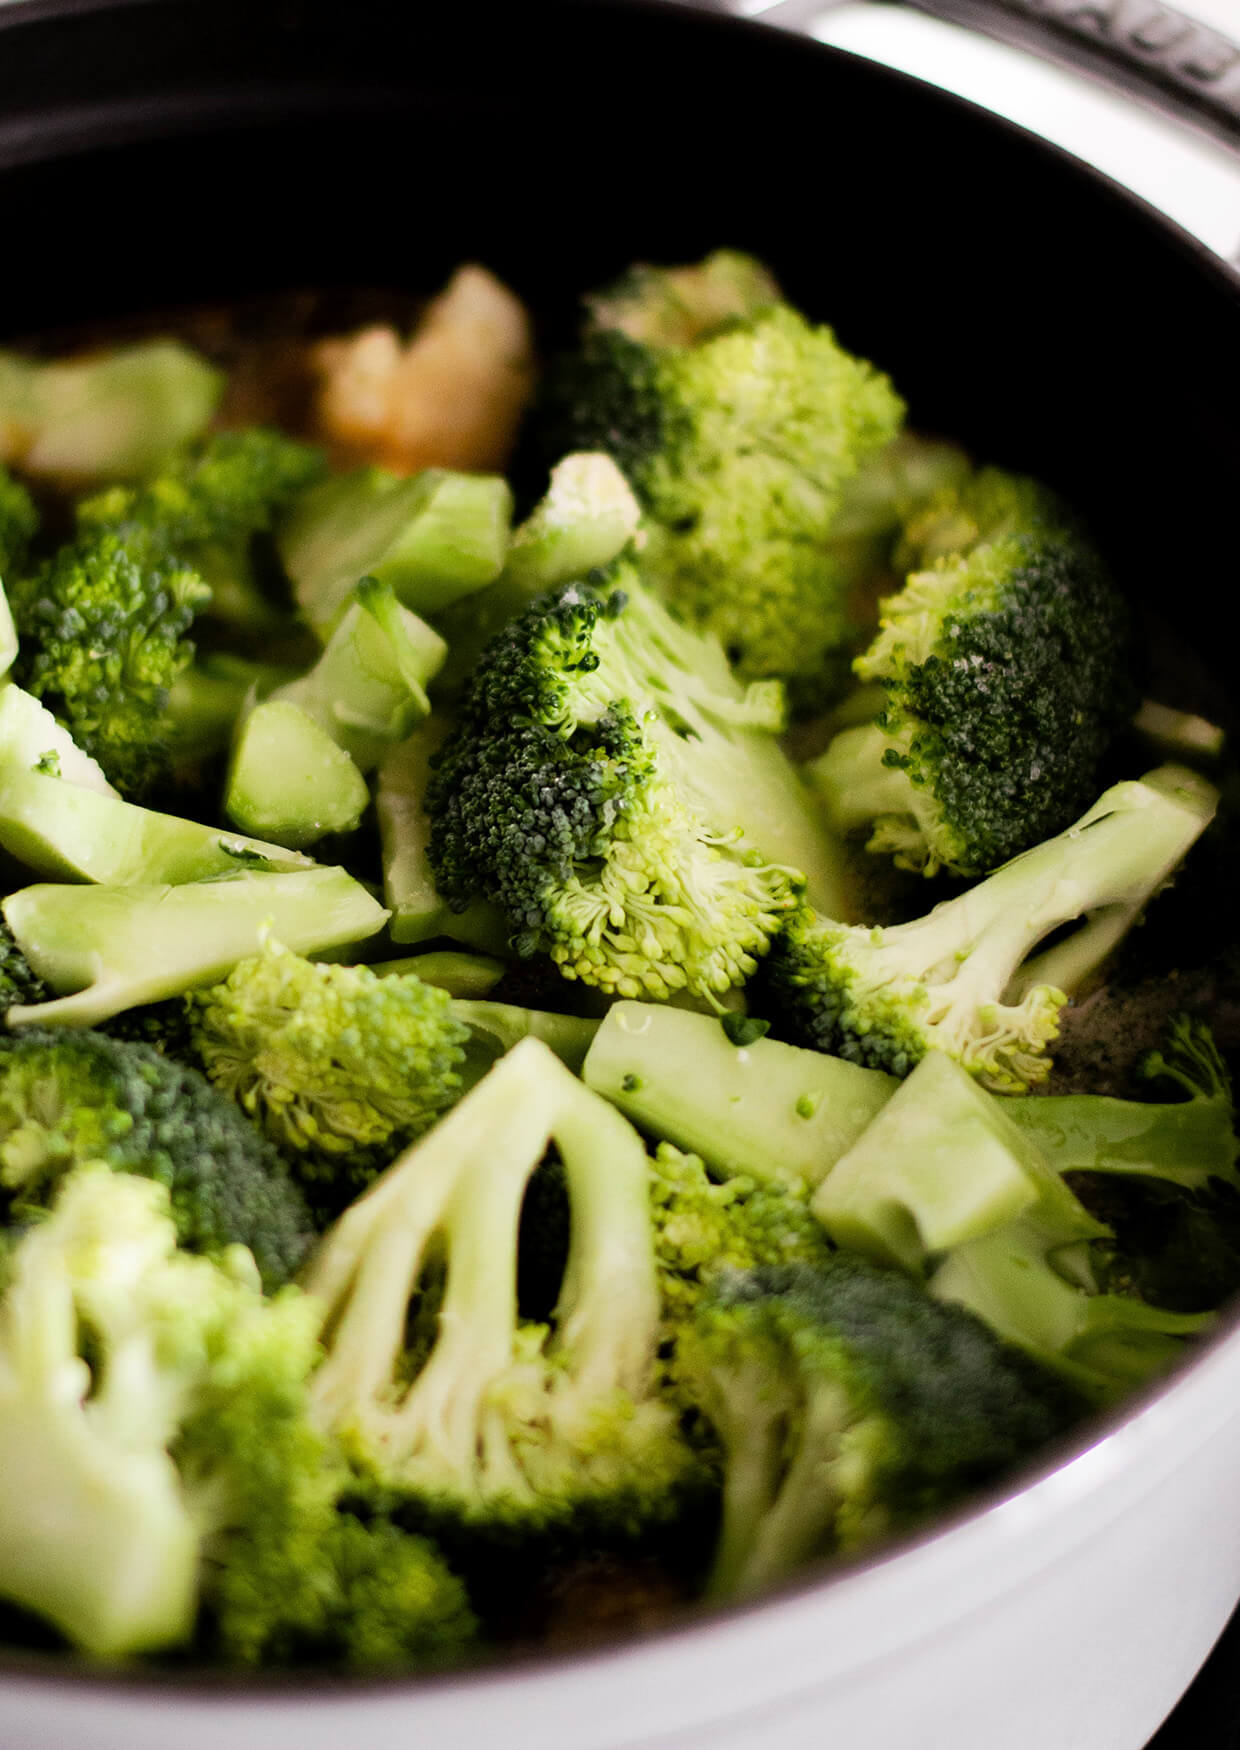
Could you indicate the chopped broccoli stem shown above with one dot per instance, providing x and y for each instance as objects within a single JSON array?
[
  {"x": 105, "y": 949},
  {"x": 113, "y": 416},
  {"x": 434, "y": 537},
  {"x": 768, "y": 1110},
  {"x": 64, "y": 832},
  {"x": 462, "y": 975},
  {"x": 368, "y": 688},
  {"x": 290, "y": 779},
  {"x": 29, "y": 733}
]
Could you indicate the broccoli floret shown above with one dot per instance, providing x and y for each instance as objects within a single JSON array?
[
  {"x": 19, "y": 982},
  {"x": 106, "y": 416},
  {"x": 18, "y": 521},
  {"x": 850, "y": 1404},
  {"x": 340, "y": 1067},
  {"x": 622, "y": 800},
  {"x": 961, "y": 979},
  {"x": 705, "y": 1225},
  {"x": 106, "y": 949},
  {"x": 209, "y": 505},
  {"x": 69, "y": 1098},
  {"x": 765, "y": 1109},
  {"x": 157, "y": 1465},
  {"x": 1007, "y": 666},
  {"x": 505, "y": 1424},
  {"x": 103, "y": 629},
  {"x": 738, "y": 424}
]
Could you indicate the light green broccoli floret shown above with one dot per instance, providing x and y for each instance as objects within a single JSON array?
[
  {"x": 964, "y": 979},
  {"x": 504, "y": 1422}
]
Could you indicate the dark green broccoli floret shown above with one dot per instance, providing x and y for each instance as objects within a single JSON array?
[
  {"x": 102, "y": 628},
  {"x": 208, "y": 505},
  {"x": 19, "y": 982},
  {"x": 849, "y": 1404},
  {"x": 68, "y": 1097},
  {"x": 961, "y": 979},
  {"x": 18, "y": 521},
  {"x": 1007, "y": 666},
  {"x": 738, "y": 424},
  {"x": 622, "y": 800}
]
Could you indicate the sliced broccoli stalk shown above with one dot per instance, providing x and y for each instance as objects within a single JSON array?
[
  {"x": 849, "y": 1404},
  {"x": 768, "y": 1110},
  {"x": 109, "y": 416},
  {"x": 1187, "y": 1142},
  {"x": 942, "y": 1163},
  {"x": 8, "y": 634},
  {"x": 1179, "y": 735},
  {"x": 19, "y": 521},
  {"x": 368, "y": 688},
  {"x": 105, "y": 949},
  {"x": 1007, "y": 672},
  {"x": 63, "y": 832},
  {"x": 31, "y": 736},
  {"x": 1033, "y": 1283},
  {"x": 884, "y": 997},
  {"x": 496, "y": 1027},
  {"x": 288, "y": 778},
  {"x": 74, "y": 1097},
  {"x": 419, "y": 912},
  {"x": 587, "y": 516},
  {"x": 462, "y": 975},
  {"x": 504, "y": 1422},
  {"x": 738, "y": 424},
  {"x": 434, "y": 537},
  {"x": 206, "y": 702},
  {"x": 624, "y": 800}
]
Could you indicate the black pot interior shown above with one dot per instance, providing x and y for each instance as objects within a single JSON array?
[{"x": 161, "y": 152}]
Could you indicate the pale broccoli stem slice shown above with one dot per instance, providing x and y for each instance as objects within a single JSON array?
[
  {"x": 8, "y": 633},
  {"x": 104, "y": 417},
  {"x": 960, "y": 980},
  {"x": 419, "y": 913},
  {"x": 497, "y": 1027},
  {"x": 64, "y": 832},
  {"x": 107, "y": 949},
  {"x": 434, "y": 537},
  {"x": 472, "y": 976},
  {"x": 464, "y": 1182},
  {"x": 30, "y": 736},
  {"x": 368, "y": 688},
  {"x": 586, "y": 517},
  {"x": 765, "y": 1109},
  {"x": 289, "y": 780}
]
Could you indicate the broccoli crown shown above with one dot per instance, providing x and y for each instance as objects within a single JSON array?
[
  {"x": 849, "y": 1403},
  {"x": 738, "y": 423},
  {"x": 1008, "y": 669},
  {"x": 68, "y": 1097},
  {"x": 103, "y": 638},
  {"x": 220, "y": 492},
  {"x": 340, "y": 1067},
  {"x": 595, "y": 788},
  {"x": 19, "y": 982},
  {"x": 18, "y": 521},
  {"x": 705, "y": 1226},
  {"x": 963, "y": 979},
  {"x": 495, "y": 1425}
]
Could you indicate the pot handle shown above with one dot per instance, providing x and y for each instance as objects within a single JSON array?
[{"x": 1146, "y": 48}]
